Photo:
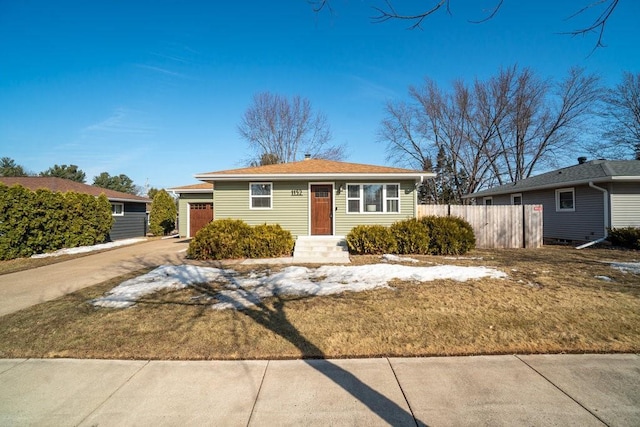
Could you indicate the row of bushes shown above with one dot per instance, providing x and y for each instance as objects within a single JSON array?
[
  {"x": 42, "y": 221},
  {"x": 233, "y": 238},
  {"x": 433, "y": 235},
  {"x": 626, "y": 237}
]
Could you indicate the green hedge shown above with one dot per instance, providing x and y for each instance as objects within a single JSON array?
[
  {"x": 412, "y": 236},
  {"x": 233, "y": 238},
  {"x": 371, "y": 239},
  {"x": 40, "y": 221},
  {"x": 626, "y": 237},
  {"x": 428, "y": 235},
  {"x": 449, "y": 235}
]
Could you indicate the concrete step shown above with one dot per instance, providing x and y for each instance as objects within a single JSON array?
[{"x": 310, "y": 249}]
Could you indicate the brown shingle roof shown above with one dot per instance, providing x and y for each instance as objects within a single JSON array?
[
  {"x": 201, "y": 187},
  {"x": 314, "y": 167},
  {"x": 64, "y": 185}
]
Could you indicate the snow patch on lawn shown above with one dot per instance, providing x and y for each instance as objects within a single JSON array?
[
  {"x": 396, "y": 258},
  {"x": 242, "y": 291},
  {"x": 627, "y": 267},
  {"x": 84, "y": 249}
]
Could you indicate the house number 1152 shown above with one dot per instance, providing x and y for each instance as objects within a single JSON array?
[{"x": 296, "y": 192}]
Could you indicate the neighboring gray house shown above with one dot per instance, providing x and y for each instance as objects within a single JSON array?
[
  {"x": 129, "y": 211},
  {"x": 580, "y": 202}
]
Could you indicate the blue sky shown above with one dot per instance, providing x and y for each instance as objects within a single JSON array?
[{"x": 156, "y": 89}]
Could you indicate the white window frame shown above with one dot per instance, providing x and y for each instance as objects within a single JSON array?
[
  {"x": 487, "y": 199},
  {"x": 513, "y": 196},
  {"x": 270, "y": 196},
  {"x": 573, "y": 198},
  {"x": 360, "y": 198},
  {"x": 114, "y": 211}
]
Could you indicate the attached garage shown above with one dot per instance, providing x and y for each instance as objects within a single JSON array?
[
  {"x": 195, "y": 207},
  {"x": 200, "y": 214}
]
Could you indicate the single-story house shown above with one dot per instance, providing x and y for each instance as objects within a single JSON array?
[
  {"x": 195, "y": 207},
  {"x": 316, "y": 197},
  {"x": 580, "y": 202},
  {"x": 129, "y": 211}
]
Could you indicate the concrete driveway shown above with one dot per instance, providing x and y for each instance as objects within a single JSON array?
[{"x": 26, "y": 288}]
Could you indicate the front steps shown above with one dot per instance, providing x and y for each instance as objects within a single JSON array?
[{"x": 321, "y": 250}]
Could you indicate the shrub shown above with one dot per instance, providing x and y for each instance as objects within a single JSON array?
[
  {"x": 449, "y": 235},
  {"x": 626, "y": 237},
  {"x": 41, "y": 221},
  {"x": 269, "y": 240},
  {"x": 220, "y": 239},
  {"x": 233, "y": 238},
  {"x": 371, "y": 240},
  {"x": 412, "y": 237},
  {"x": 162, "y": 219}
]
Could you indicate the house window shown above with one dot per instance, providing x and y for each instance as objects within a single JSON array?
[
  {"x": 516, "y": 199},
  {"x": 117, "y": 209},
  {"x": 260, "y": 195},
  {"x": 565, "y": 200},
  {"x": 487, "y": 201},
  {"x": 380, "y": 198}
]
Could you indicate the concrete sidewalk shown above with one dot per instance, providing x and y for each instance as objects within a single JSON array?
[
  {"x": 26, "y": 288},
  {"x": 580, "y": 390}
]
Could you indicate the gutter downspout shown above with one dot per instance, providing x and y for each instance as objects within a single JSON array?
[{"x": 605, "y": 196}]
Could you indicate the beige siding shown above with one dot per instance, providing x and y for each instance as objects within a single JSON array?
[
  {"x": 496, "y": 226},
  {"x": 625, "y": 205},
  {"x": 290, "y": 205},
  {"x": 346, "y": 221},
  {"x": 183, "y": 209}
]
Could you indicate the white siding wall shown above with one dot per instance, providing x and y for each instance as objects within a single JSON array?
[{"x": 625, "y": 205}]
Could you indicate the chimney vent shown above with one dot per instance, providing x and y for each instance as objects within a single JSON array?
[
  {"x": 582, "y": 160},
  {"x": 307, "y": 156}
]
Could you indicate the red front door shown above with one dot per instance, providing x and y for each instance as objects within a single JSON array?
[{"x": 321, "y": 210}]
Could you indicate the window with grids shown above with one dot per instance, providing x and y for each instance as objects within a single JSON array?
[
  {"x": 373, "y": 198},
  {"x": 260, "y": 195}
]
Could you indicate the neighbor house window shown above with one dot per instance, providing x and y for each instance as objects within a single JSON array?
[
  {"x": 516, "y": 199},
  {"x": 565, "y": 200},
  {"x": 380, "y": 198},
  {"x": 260, "y": 195},
  {"x": 487, "y": 201},
  {"x": 117, "y": 209}
]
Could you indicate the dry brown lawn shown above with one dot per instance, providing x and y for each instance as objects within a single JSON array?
[{"x": 551, "y": 302}]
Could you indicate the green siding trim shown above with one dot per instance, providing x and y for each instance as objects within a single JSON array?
[
  {"x": 183, "y": 209},
  {"x": 290, "y": 205}
]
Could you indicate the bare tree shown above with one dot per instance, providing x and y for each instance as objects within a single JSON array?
[
  {"x": 496, "y": 131},
  {"x": 283, "y": 130},
  {"x": 622, "y": 117},
  {"x": 603, "y": 9}
]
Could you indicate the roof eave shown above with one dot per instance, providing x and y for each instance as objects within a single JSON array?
[
  {"x": 516, "y": 189},
  {"x": 313, "y": 176},
  {"x": 192, "y": 191}
]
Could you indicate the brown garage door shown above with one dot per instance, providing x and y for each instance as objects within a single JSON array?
[{"x": 200, "y": 214}]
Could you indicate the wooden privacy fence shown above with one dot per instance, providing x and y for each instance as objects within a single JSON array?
[{"x": 496, "y": 226}]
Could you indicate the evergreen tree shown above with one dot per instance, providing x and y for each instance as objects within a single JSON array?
[
  {"x": 71, "y": 172},
  {"x": 118, "y": 183},
  {"x": 162, "y": 219},
  {"x": 8, "y": 167}
]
